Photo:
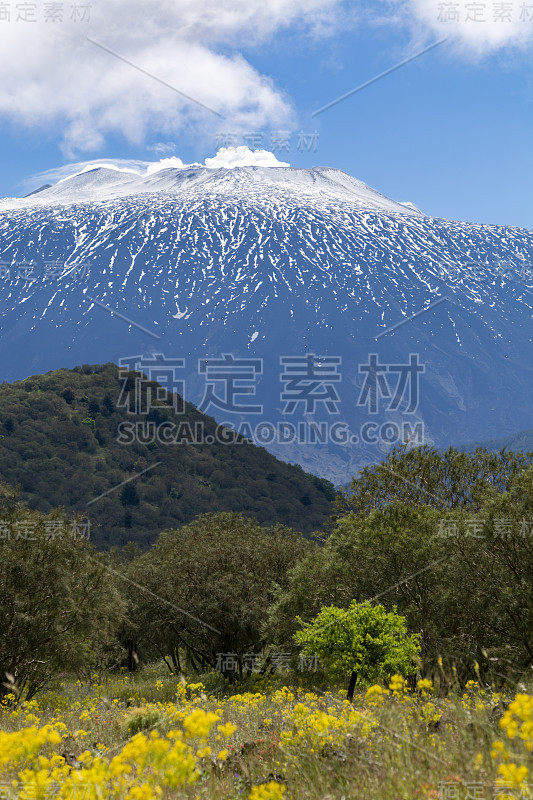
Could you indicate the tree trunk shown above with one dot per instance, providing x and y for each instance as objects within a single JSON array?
[
  {"x": 168, "y": 665},
  {"x": 176, "y": 661},
  {"x": 351, "y": 687},
  {"x": 133, "y": 658}
]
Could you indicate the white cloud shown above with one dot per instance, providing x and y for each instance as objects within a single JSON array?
[
  {"x": 166, "y": 163},
  {"x": 230, "y": 157},
  {"x": 492, "y": 26},
  {"x": 60, "y": 81},
  {"x": 57, "y": 77}
]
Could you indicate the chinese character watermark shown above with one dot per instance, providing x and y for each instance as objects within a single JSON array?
[
  {"x": 50, "y": 13},
  {"x": 25, "y": 530},
  {"x": 47, "y": 271},
  {"x": 254, "y": 663},
  {"x": 474, "y": 12},
  {"x": 277, "y": 142},
  {"x": 154, "y": 387},
  {"x": 475, "y": 528}
]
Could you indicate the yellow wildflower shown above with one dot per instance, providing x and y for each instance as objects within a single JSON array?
[{"x": 267, "y": 791}]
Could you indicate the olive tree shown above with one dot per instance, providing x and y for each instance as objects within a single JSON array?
[{"x": 206, "y": 587}]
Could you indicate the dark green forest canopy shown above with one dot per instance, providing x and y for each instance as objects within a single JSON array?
[{"x": 58, "y": 443}]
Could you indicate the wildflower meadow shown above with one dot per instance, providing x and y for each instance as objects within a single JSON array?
[{"x": 149, "y": 735}]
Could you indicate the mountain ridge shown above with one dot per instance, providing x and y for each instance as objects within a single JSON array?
[
  {"x": 521, "y": 441},
  {"x": 62, "y": 441},
  {"x": 102, "y": 183},
  {"x": 235, "y": 262}
]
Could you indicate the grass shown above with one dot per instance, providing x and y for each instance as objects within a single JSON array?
[{"x": 153, "y": 735}]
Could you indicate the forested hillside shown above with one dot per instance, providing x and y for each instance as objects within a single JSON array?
[
  {"x": 59, "y": 443},
  {"x": 521, "y": 442}
]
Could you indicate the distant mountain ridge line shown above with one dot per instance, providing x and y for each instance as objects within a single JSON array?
[{"x": 523, "y": 441}]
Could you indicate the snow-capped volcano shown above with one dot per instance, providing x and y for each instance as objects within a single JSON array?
[
  {"x": 319, "y": 183},
  {"x": 273, "y": 262}
]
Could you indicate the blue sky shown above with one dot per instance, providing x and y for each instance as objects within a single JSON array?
[{"x": 452, "y": 131}]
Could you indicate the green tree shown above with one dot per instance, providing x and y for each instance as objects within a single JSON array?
[
  {"x": 206, "y": 588},
  {"x": 392, "y": 553},
  {"x": 68, "y": 395},
  {"x": 426, "y": 476},
  {"x": 108, "y": 404},
  {"x": 129, "y": 495},
  {"x": 493, "y": 564},
  {"x": 363, "y": 641},
  {"x": 461, "y": 579},
  {"x": 60, "y": 607}
]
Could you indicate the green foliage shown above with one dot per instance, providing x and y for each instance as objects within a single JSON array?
[
  {"x": 459, "y": 570},
  {"x": 207, "y": 587},
  {"x": 362, "y": 639},
  {"x": 494, "y": 569},
  {"x": 68, "y": 395},
  {"x": 60, "y": 607},
  {"x": 93, "y": 408},
  {"x": 229, "y": 582},
  {"x": 143, "y": 718},
  {"x": 61, "y": 448},
  {"x": 425, "y": 476},
  {"x": 129, "y": 496}
]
